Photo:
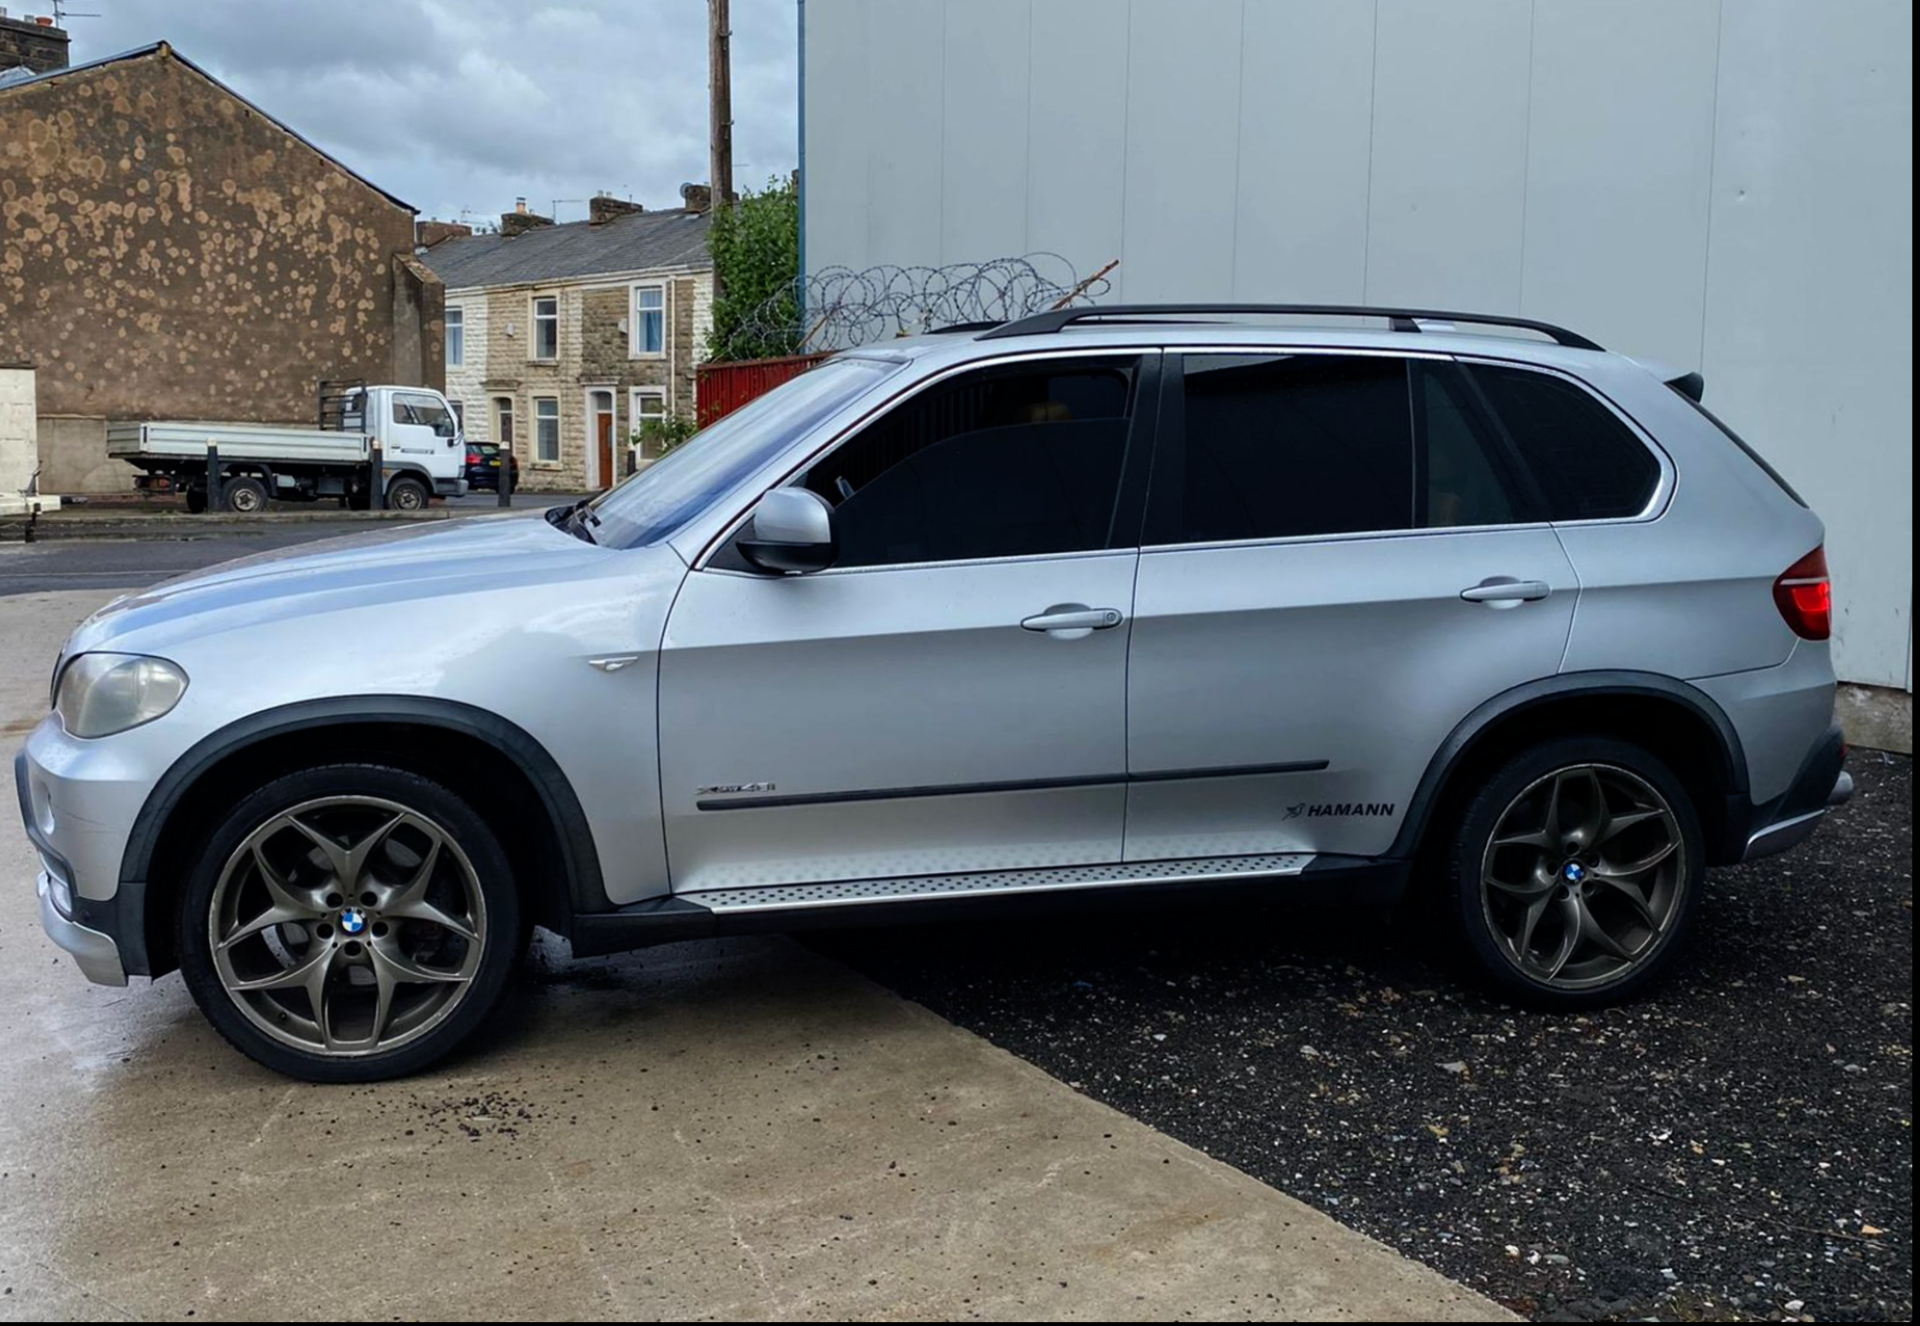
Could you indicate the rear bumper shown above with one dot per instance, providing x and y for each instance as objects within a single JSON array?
[{"x": 1821, "y": 785}]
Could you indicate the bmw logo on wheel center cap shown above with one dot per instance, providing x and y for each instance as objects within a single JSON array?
[
  {"x": 352, "y": 921},
  {"x": 1573, "y": 872}
]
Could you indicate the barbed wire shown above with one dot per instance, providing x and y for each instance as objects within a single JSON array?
[{"x": 839, "y": 308}]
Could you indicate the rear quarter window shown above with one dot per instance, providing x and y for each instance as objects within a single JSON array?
[{"x": 1586, "y": 463}]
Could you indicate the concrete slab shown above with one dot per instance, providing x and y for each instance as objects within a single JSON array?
[{"x": 735, "y": 1130}]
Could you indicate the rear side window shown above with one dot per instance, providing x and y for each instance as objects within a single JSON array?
[
  {"x": 1282, "y": 446},
  {"x": 1001, "y": 462},
  {"x": 1584, "y": 462},
  {"x": 1464, "y": 474}
]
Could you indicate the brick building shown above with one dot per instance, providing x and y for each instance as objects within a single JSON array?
[
  {"x": 563, "y": 339},
  {"x": 169, "y": 250}
]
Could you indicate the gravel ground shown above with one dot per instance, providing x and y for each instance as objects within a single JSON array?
[{"x": 1738, "y": 1144}]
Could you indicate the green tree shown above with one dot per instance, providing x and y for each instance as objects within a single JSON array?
[{"x": 756, "y": 258}]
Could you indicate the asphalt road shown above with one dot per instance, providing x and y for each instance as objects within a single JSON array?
[
  {"x": 57, "y": 564},
  {"x": 1738, "y": 1144}
]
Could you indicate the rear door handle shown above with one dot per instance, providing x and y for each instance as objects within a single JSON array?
[
  {"x": 1506, "y": 592},
  {"x": 1072, "y": 621}
]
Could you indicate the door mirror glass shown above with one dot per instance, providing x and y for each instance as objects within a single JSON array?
[{"x": 790, "y": 533}]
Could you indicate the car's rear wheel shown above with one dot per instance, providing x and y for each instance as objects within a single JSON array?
[
  {"x": 349, "y": 923},
  {"x": 246, "y": 495},
  {"x": 1576, "y": 870}
]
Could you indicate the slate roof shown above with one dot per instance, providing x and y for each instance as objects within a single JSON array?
[
  {"x": 642, "y": 242},
  {"x": 12, "y": 80}
]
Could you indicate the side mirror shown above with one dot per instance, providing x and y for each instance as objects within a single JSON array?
[{"x": 790, "y": 532}]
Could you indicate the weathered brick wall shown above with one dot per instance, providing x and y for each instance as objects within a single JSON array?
[
  {"x": 38, "y": 47},
  {"x": 168, "y": 252}
]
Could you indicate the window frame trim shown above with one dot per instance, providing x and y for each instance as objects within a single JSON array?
[
  {"x": 533, "y": 327},
  {"x": 559, "y": 442},
  {"x": 454, "y": 314},
  {"x": 665, "y": 287},
  {"x": 1153, "y": 360},
  {"x": 1655, "y": 508}
]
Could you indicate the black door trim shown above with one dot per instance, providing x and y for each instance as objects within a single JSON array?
[{"x": 778, "y": 801}]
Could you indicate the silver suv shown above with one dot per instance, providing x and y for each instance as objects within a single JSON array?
[{"x": 1100, "y": 601}]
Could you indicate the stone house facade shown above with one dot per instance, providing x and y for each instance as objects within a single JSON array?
[
  {"x": 563, "y": 339},
  {"x": 169, "y": 250}
]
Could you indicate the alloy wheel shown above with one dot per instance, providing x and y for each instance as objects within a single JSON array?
[
  {"x": 1584, "y": 876},
  {"x": 347, "y": 926}
]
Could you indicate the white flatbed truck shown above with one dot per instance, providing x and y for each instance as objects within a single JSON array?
[{"x": 410, "y": 434}]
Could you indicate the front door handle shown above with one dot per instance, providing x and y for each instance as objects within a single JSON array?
[
  {"x": 1072, "y": 621},
  {"x": 1506, "y": 592}
]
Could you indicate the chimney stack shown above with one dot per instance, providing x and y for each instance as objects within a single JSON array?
[
  {"x": 427, "y": 233},
  {"x": 519, "y": 221},
  {"x": 34, "y": 42},
  {"x": 696, "y": 197},
  {"x": 604, "y": 207}
]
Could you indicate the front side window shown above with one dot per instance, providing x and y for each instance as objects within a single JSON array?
[
  {"x": 1586, "y": 463},
  {"x": 1281, "y": 446},
  {"x": 459, "y": 414},
  {"x": 649, "y": 320},
  {"x": 546, "y": 327},
  {"x": 456, "y": 338},
  {"x": 1002, "y": 462},
  {"x": 425, "y": 412},
  {"x": 546, "y": 429}
]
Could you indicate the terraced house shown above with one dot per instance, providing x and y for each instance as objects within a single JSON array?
[{"x": 563, "y": 340}]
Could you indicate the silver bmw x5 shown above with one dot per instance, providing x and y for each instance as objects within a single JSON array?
[{"x": 1101, "y": 600}]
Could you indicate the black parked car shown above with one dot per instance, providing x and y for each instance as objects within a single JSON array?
[{"x": 483, "y": 467}]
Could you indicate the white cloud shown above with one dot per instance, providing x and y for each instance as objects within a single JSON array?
[{"x": 459, "y": 106}]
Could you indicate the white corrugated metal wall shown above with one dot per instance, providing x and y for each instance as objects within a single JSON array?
[{"x": 1721, "y": 185}]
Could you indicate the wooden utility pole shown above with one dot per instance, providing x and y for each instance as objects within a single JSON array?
[{"x": 720, "y": 110}]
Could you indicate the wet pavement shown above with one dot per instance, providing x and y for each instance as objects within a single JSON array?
[
  {"x": 1738, "y": 1143},
  {"x": 743, "y": 1130}
]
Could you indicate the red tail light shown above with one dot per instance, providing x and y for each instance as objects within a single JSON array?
[
  {"x": 1804, "y": 593},
  {"x": 473, "y": 458}
]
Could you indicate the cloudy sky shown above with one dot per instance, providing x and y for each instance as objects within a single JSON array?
[{"x": 459, "y": 106}]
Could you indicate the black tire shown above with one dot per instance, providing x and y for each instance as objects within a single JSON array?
[
  {"x": 1669, "y": 892},
  {"x": 246, "y": 495},
  {"x": 502, "y": 939},
  {"x": 407, "y": 494},
  {"x": 196, "y": 501}
]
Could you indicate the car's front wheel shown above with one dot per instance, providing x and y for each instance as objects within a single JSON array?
[
  {"x": 349, "y": 923},
  {"x": 1575, "y": 871}
]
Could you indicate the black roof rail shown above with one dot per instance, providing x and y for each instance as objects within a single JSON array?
[{"x": 1401, "y": 319}]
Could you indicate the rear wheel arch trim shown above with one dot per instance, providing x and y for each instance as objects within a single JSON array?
[
  {"x": 585, "y": 887},
  {"x": 1466, "y": 735}
]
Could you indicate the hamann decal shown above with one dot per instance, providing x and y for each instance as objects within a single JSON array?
[{"x": 1308, "y": 810}]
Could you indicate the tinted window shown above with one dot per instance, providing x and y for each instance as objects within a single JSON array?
[
  {"x": 1465, "y": 474},
  {"x": 998, "y": 463},
  {"x": 1285, "y": 445},
  {"x": 1586, "y": 464}
]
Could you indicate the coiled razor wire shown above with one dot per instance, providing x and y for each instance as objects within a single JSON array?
[{"x": 839, "y": 308}]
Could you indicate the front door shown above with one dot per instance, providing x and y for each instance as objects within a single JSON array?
[
  {"x": 602, "y": 402},
  {"x": 1340, "y": 565},
  {"x": 951, "y": 695}
]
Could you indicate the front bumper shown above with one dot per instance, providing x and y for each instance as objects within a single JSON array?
[
  {"x": 95, "y": 953},
  {"x": 450, "y": 487},
  {"x": 1822, "y": 785}
]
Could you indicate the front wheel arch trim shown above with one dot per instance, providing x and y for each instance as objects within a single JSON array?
[{"x": 586, "y": 889}]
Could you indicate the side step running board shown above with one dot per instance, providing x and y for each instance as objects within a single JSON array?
[
  {"x": 907, "y": 899},
  {"x": 917, "y": 888}
]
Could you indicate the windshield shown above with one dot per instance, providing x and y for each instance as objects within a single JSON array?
[{"x": 661, "y": 498}]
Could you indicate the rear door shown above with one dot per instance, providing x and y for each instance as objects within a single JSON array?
[{"x": 1340, "y": 563}]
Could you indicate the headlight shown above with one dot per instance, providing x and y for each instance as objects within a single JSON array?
[{"x": 101, "y": 694}]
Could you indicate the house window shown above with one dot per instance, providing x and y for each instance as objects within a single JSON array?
[
  {"x": 647, "y": 405},
  {"x": 546, "y": 429},
  {"x": 456, "y": 338},
  {"x": 546, "y": 327},
  {"x": 649, "y": 320},
  {"x": 503, "y": 421}
]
